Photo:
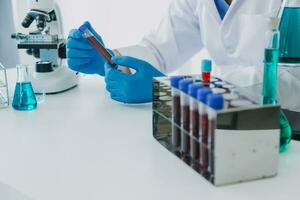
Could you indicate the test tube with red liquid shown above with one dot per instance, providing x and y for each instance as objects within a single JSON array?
[
  {"x": 194, "y": 121},
  {"x": 216, "y": 103},
  {"x": 185, "y": 116},
  {"x": 176, "y": 116},
  {"x": 99, "y": 47},
  {"x": 202, "y": 95},
  {"x": 206, "y": 72}
]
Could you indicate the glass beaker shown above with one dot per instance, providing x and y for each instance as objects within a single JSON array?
[
  {"x": 24, "y": 97},
  {"x": 289, "y": 52}
]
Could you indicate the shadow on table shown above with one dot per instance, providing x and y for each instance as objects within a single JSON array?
[{"x": 9, "y": 193}]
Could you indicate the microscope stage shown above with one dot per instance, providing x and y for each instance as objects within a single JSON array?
[{"x": 39, "y": 45}]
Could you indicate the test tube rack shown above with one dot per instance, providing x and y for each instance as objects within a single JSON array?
[
  {"x": 245, "y": 143},
  {"x": 4, "y": 97}
]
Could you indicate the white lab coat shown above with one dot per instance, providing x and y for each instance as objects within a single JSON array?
[{"x": 236, "y": 44}]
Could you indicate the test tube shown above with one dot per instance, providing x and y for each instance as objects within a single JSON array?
[
  {"x": 92, "y": 39},
  {"x": 194, "y": 120},
  {"x": 176, "y": 117},
  {"x": 206, "y": 72},
  {"x": 185, "y": 115},
  {"x": 216, "y": 103},
  {"x": 202, "y": 95}
]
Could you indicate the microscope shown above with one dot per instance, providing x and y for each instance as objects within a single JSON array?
[{"x": 51, "y": 74}]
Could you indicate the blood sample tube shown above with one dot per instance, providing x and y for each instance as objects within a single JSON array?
[
  {"x": 185, "y": 116},
  {"x": 216, "y": 103},
  {"x": 92, "y": 39},
  {"x": 206, "y": 72},
  {"x": 194, "y": 120},
  {"x": 202, "y": 95},
  {"x": 176, "y": 117}
]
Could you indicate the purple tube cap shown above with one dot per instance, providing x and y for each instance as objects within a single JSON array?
[
  {"x": 175, "y": 81},
  {"x": 203, "y": 93},
  {"x": 193, "y": 88},
  {"x": 184, "y": 84},
  {"x": 83, "y": 28},
  {"x": 215, "y": 101}
]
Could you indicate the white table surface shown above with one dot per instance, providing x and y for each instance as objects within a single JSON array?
[{"x": 80, "y": 145}]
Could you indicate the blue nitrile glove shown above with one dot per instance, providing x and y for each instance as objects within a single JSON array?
[
  {"x": 130, "y": 88},
  {"x": 82, "y": 57}
]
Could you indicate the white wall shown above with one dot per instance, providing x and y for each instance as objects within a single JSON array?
[{"x": 119, "y": 22}]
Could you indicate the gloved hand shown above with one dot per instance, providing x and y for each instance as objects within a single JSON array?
[
  {"x": 82, "y": 57},
  {"x": 130, "y": 88}
]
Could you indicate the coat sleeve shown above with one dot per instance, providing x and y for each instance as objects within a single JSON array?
[{"x": 174, "y": 41}]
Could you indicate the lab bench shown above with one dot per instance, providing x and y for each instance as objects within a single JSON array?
[{"x": 82, "y": 145}]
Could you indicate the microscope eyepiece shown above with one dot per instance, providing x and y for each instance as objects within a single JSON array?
[
  {"x": 41, "y": 22},
  {"x": 27, "y": 21}
]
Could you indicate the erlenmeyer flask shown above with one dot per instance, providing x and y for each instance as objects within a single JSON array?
[
  {"x": 24, "y": 97},
  {"x": 289, "y": 52}
]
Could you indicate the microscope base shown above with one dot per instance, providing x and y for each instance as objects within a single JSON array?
[{"x": 60, "y": 80}]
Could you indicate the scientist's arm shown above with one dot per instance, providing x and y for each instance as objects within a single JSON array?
[{"x": 175, "y": 40}]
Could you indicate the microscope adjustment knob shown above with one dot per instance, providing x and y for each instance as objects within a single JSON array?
[
  {"x": 43, "y": 67},
  {"x": 62, "y": 51}
]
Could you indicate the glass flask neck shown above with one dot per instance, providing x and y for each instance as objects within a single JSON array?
[
  {"x": 22, "y": 73},
  {"x": 293, "y": 3}
]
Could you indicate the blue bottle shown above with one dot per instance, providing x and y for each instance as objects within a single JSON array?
[
  {"x": 269, "y": 92},
  {"x": 24, "y": 97},
  {"x": 290, "y": 30}
]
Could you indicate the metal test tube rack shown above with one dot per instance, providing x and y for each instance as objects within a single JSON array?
[{"x": 245, "y": 142}]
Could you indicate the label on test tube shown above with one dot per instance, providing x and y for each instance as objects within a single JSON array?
[
  {"x": 216, "y": 102},
  {"x": 194, "y": 120},
  {"x": 202, "y": 95},
  {"x": 185, "y": 115},
  {"x": 176, "y": 111},
  {"x": 93, "y": 40}
]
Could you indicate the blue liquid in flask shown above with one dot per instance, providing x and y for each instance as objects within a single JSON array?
[
  {"x": 270, "y": 95},
  {"x": 290, "y": 36},
  {"x": 24, "y": 97}
]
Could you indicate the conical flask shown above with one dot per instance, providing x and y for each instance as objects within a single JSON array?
[
  {"x": 289, "y": 52},
  {"x": 24, "y": 97}
]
